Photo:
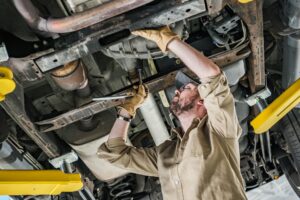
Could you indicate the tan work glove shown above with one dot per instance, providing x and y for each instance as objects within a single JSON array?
[
  {"x": 161, "y": 36},
  {"x": 133, "y": 103}
]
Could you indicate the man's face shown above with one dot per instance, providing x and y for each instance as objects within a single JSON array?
[{"x": 185, "y": 99}]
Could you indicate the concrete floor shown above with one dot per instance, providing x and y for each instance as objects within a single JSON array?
[{"x": 278, "y": 189}]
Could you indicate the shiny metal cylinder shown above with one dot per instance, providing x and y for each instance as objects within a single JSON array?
[
  {"x": 71, "y": 76},
  {"x": 291, "y": 60},
  {"x": 154, "y": 121},
  {"x": 77, "y": 21}
]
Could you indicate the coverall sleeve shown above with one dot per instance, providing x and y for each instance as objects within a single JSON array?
[
  {"x": 220, "y": 106},
  {"x": 136, "y": 160}
]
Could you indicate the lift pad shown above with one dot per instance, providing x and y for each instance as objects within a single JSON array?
[
  {"x": 38, "y": 182},
  {"x": 277, "y": 109},
  {"x": 7, "y": 84}
]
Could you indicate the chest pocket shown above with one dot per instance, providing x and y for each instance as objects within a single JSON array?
[{"x": 199, "y": 144}]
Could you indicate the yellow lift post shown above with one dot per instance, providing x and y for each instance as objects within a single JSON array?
[{"x": 277, "y": 109}]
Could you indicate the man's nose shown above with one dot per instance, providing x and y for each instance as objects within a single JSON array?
[{"x": 177, "y": 92}]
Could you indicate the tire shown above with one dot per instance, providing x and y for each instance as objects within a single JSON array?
[
  {"x": 291, "y": 174},
  {"x": 290, "y": 127}
]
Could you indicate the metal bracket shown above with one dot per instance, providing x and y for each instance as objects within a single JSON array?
[
  {"x": 262, "y": 94},
  {"x": 62, "y": 160},
  {"x": 3, "y": 53}
]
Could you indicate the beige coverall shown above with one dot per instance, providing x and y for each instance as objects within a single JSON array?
[{"x": 204, "y": 163}]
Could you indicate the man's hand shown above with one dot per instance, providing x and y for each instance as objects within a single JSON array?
[
  {"x": 161, "y": 36},
  {"x": 133, "y": 103}
]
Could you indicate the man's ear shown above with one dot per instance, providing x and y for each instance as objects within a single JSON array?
[{"x": 200, "y": 102}]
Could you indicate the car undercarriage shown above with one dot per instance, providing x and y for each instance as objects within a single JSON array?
[{"x": 65, "y": 54}]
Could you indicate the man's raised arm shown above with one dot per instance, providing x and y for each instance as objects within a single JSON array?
[{"x": 192, "y": 58}]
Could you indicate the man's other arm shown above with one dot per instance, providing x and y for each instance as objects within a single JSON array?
[
  {"x": 135, "y": 160},
  {"x": 117, "y": 152}
]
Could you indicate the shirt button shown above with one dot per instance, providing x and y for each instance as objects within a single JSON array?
[{"x": 176, "y": 181}]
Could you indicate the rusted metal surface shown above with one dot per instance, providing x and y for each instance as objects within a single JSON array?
[
  {"x": 77, "y": 21},
  {"x": 214, "y": 6},
  {"x": 85, "y": 42},
  {"x": 229, "y": 57},
  {"x": 252, "y": 14},
  {"x": 14, "y": 106},
  {"x": 154, "y": 86},
  {"x": 25, "y": 69},
  {"x": 77, "y": 114}
]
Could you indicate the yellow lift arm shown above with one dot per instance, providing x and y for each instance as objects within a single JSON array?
[
  {"x": 38, "y": 182},
  {"x": 277, "y": 109}
]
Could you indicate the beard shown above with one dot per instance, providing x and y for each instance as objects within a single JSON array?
[{"x": 177, "y": 108}]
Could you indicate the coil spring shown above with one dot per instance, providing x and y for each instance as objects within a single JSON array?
[{"x": 121, "y": 188}]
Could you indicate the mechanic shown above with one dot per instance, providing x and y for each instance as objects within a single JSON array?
[{"x": 200, "y": 162}]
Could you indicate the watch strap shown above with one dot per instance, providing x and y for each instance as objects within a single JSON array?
[{"x": 127, "y": 119}]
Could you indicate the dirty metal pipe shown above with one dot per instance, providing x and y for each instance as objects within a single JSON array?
[
  {"x": 77, "y": 21},
  {"x": 265, "y": 139},
  {"x": 149, "y": 109}
]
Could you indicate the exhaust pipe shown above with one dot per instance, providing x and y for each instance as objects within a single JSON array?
[
  {"x": 77, "y": 21},
  {"x": 154, "y": 121}
]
